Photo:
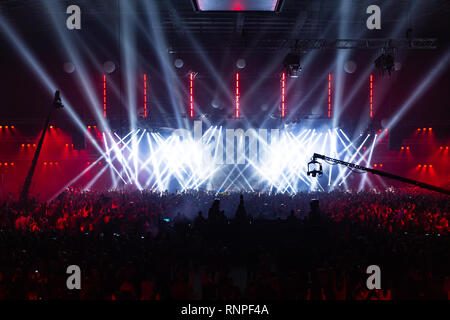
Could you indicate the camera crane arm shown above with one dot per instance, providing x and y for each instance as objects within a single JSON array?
[{"x": 381, "y": 173}]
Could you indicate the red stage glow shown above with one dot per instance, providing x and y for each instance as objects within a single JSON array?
[
  {"x": 104, "y": 96},
  {"x": 191, "y": 95},
  {"x": 145, "y": 96},
  {"x": 237, "y": 5},
  {"x": 371, "y": 95},
  {"x": 237, "y": 95},
  {"x": 283, "y": 102}
]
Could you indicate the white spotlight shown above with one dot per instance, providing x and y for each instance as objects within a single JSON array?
[
  {"x": 350, "y": 66},
  {"x": 69, "y": 67},
  {"x": 241, "y": 63},
  {"x": 178, "y": 63},
  {"x": 109, "y": 67},
  {"x": 216, "y": 104}
]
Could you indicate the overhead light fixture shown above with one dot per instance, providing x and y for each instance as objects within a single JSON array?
[
  {"x": 237, "y": 5},
  {"x": 314, "y": 168},
  {"x": 69, "y": 67},
  {"x": 385, "y": 62},
  {"x": 178, "y": 63},
  {"x": 241, "y": 63},
  {"x": 292, "y": 64},
  {"x": 109, "y": 67}
]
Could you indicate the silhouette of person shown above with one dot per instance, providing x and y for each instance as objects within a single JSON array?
[
  {"x": 199, "y": 221},
  {"x": 241, "y": 213},
  {"x": 314, "y": 215},
  {"x": 292, "y": 217}
]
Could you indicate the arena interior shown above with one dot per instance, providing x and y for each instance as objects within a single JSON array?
[{"x": 242, "y": 150}]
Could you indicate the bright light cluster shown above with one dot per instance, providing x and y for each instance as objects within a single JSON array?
[{"x": 148, "y": 160}]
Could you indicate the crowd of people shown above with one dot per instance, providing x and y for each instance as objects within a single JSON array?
[{"x": 152, "y": 245}]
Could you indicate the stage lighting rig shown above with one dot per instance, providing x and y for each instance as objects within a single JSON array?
[
  {"x": 315, "y": 169},
  {"x": 57, "y": 104},
  {"x": 385, "y": 62},
  {"x": 194, "y": 74},
  {"x": 372, "y": 128},
  {"x": 292, "y": 65}
]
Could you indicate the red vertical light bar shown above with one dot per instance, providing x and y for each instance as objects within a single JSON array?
[
  {"x": 371, "y": 95},
  {"x": 191, "y": 95},
  {"x": 104, "y": 96},
  {"x": 145, "y": 96},
  {"x": 237, "y": 95},
  {"x": 283, "y": 101},
  {"x": 329, "y": 95}
]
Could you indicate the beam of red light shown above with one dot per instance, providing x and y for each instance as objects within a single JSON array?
[
  {"x": 145, "y": 96},
  {"x": 104, "y": 96},
  {"x": 237, "y": 6},
  {"x": 237, "y": 95},
  {"x": 329, "y": 95},
  {"x": 191, "y": 95},
  {"x": 371, "y": 95},
  {"x": 283, "y": 100}
]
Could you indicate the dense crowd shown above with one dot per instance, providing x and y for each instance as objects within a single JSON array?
[{"x": 202, "y": 245}]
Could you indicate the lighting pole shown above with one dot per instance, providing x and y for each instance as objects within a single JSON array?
[
  {"x": 57, "y": 104},
  {"x": 315, "y": 169}
]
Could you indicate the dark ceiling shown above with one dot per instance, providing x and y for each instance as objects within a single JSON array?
[
  {"x": 260, "y": 37},
  {"x": 297, "y": 19}
]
